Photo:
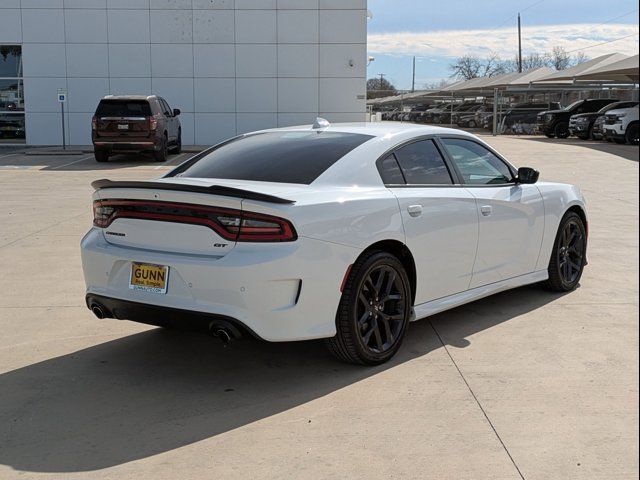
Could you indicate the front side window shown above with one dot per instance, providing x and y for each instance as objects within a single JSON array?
[
  {"x": 476, "y": 164},
  {"x": 422, "y": 164},
  {"x": 279, "y": 157}
]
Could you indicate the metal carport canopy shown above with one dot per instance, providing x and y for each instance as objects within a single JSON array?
[
  {"x": 569, "y": 74},
  {"x": 625, "y": 70}
]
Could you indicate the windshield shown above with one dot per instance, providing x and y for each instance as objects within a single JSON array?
[
  {"x": 617, "y": 105},
  {"x": 279, "y": 157},
  {"x": 573, "y": 105}
]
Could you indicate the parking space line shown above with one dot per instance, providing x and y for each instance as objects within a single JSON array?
[
  {"x": 486, "y": 416},
  {"x": 72, "y": 163},
  {"x": 8, "y": 155}
]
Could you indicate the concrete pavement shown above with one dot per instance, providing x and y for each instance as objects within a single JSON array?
[{"x": 525, "y": 384}]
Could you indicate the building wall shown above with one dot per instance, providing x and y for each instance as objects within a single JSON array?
[{"x": 231, "y": 66}]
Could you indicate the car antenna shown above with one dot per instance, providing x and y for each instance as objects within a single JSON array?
[{"x": 321, "y": 123}]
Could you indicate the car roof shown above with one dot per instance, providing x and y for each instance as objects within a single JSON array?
[
  {"x": 359, "y": 166},
  {"x": 380, "y": 129},
  {"x": 129, "y": 97}
]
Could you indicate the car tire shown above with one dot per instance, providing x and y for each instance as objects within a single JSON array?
[
  {"x": 569, "y": 254},
  {"x": 561, "y": 130},
  {"x": 101, "y": 156},
  {"x": 631, "y": 135},
  {"x": 374, "y": 311},
  {"x": 161, "y": 154},
  {"x": 472, "y": 124},
  {"x": 177, "y": 148}
]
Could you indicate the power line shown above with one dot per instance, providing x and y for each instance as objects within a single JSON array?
[
  {"x": 603, "y": 43},
  {"x": 616, "y": 18}
]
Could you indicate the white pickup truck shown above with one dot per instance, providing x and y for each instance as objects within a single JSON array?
[{"x": 622, "y": 125}]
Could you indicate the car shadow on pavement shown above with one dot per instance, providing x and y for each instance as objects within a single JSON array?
[
  {"x": 628, "y": 152},
  {"x": 156, "y": 391}
]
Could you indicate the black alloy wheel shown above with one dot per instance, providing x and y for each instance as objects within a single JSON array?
[
  {"x": 632, "y": 135},
  {"x": 561, "y": 130},
  {"x": 374, "y": 311},
  {"x": 569, "y": 254}
]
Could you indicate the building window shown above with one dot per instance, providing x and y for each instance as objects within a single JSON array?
[{"x": 11, "y": 95}]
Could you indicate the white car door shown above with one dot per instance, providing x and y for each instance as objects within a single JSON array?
[
  {"x": 440, "y": 218},
  {"x": 511, "y": 214}
]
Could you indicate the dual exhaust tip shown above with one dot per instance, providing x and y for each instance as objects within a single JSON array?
[{"x": 223, "y": 330}]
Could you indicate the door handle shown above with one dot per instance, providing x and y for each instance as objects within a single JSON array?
[
  {"x": 414, "y": 210},
  {"x": 486, "y": 210}
]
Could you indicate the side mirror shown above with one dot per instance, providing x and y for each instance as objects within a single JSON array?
[
  {"x": 527, "y": 175},
  {"x": 176, "y": 112}
]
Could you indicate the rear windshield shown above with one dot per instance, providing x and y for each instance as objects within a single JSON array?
[
  {"x": 123, "y": 108},
  {"x": 280, "y": 157}
]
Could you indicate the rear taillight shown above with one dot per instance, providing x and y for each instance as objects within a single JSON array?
[
  {"x": 153, "y": 123},
  {"x": 94, "y": 123},
  {"x": 230, "y": 224}
]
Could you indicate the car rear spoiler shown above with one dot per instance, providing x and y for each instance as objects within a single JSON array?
[{"x": 180, "y": 187}]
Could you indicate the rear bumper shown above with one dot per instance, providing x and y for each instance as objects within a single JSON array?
[
  {"x": 120, "y": 145},
  {"x": 162, "y": 316},
  {"x": 281, "y": 292}
]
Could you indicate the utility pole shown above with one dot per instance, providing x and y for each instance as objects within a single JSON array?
[
  {"x": 413, "y": 83},
  {"x": 519, "y": 44}
]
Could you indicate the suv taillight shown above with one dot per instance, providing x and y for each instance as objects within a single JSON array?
[
  {"x": 94, "y": 123},
  {"x": 153, "y": 123},
  {"x": 230, "y": 224}
]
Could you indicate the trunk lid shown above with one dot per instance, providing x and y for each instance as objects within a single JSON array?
[{"x": 182, "y": 216}]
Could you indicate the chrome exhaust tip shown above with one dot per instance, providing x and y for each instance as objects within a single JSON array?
[{"x": 98, "y": 311}]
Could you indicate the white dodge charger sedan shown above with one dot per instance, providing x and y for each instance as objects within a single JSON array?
[{"x": 342, "y": 232}]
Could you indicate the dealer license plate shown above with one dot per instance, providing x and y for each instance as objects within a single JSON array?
[{"x": 149, "y": 278}]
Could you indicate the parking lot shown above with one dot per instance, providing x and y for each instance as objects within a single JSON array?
[{"x": 522, "y": 385}]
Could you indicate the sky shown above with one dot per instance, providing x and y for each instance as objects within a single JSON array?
[{"x": 437, "y": 32}]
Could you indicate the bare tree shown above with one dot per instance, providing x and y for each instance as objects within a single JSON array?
[
  {"x": 580, "y": 58},
  {"x": 560, "y": 59},
  {"x": 493, "y": 65},
  {"x": 437, "y": 85},
  {"x": 466, "y": 67},
  {"x": 380, "y": 87},
  {"x": 470, "y": 66}
]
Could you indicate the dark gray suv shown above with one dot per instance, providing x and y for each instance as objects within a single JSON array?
[{"x": 135, "y": 123}]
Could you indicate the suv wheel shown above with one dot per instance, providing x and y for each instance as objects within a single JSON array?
[
  {"x": 161, "y": 154},
  {"x": 101, "y": 156},
  {"x": 632, "y": 134},
  {"x": 561, "y": 130},
  {"x": 177, "y": 148},
  {"x": 374, "y": 311}
]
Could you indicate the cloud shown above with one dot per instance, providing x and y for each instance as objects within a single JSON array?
[{"x": 542, "y": 38}]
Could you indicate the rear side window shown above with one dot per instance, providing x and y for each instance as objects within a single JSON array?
[
  {"x": 123, "y": 108},
  {"x": 422, "y": 164},
  {"x": 280, "y": 157},
  {"x": 390, "y": 171}
]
